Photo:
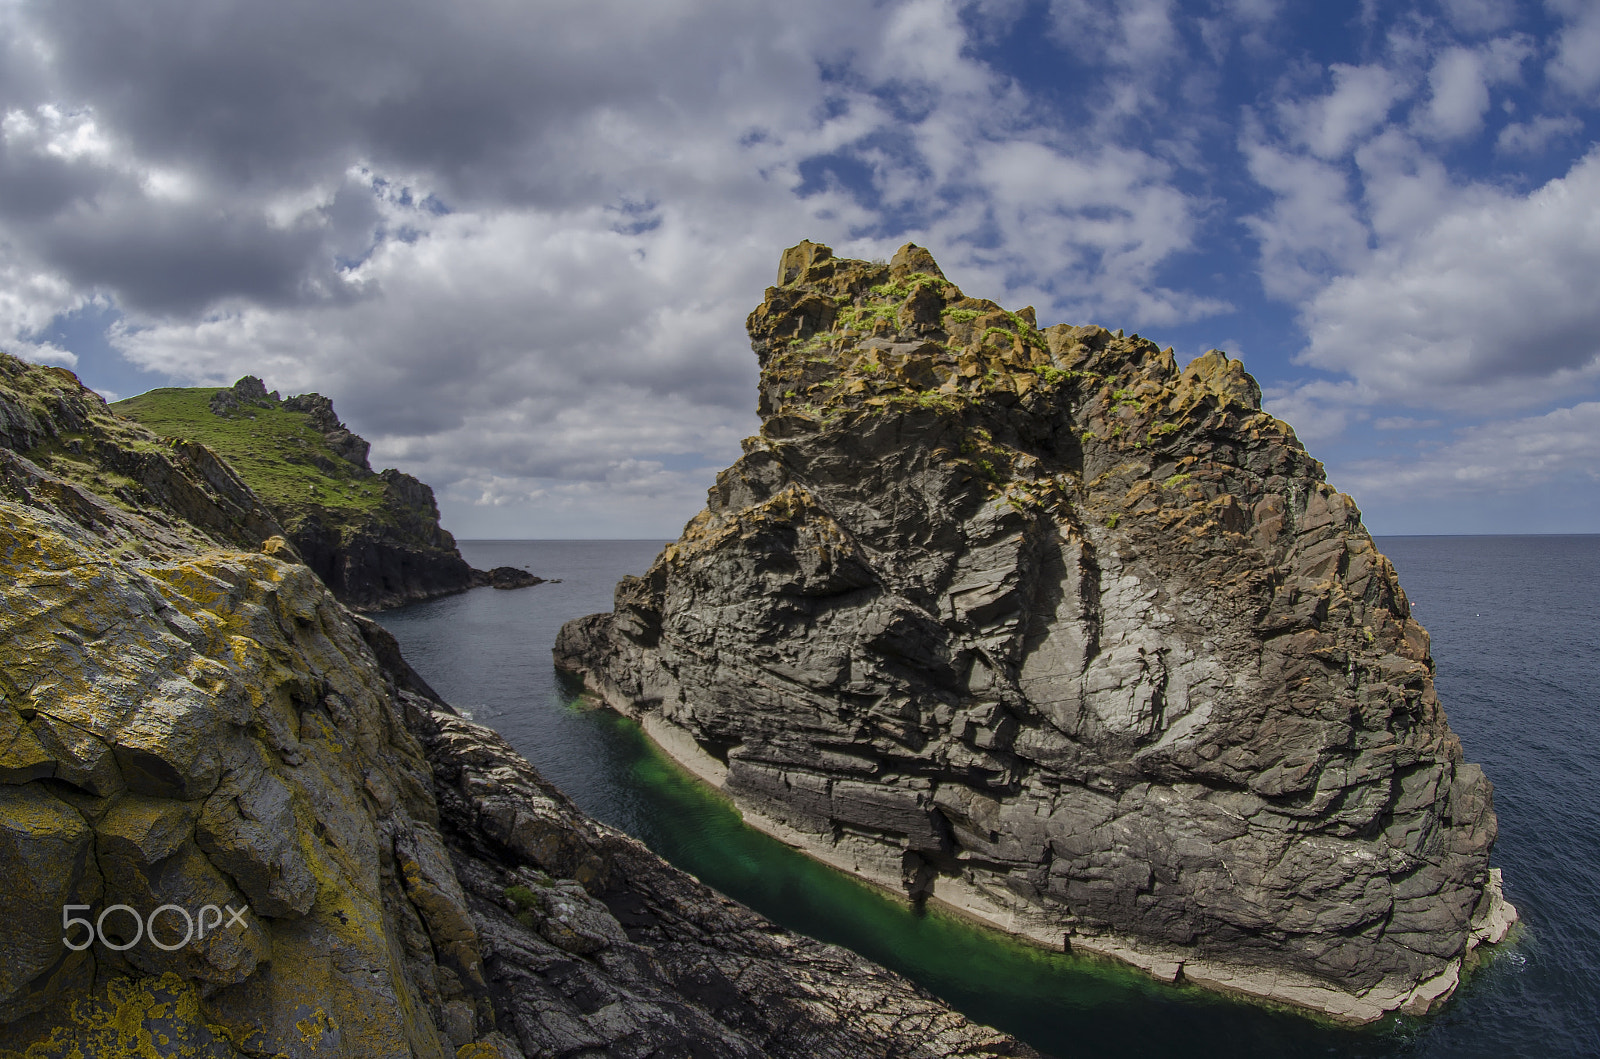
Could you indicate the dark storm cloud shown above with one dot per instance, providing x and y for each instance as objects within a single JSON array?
[
  {"x": 36, "y": 187},
  {"x": 252, "y": 103},
  {"x": 279, "y": 94},
  {"x": 182, "y": 261}
]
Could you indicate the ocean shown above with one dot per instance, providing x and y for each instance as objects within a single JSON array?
[{"x": 1516, "y": 642}]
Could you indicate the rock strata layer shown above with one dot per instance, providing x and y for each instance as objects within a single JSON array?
[
  {"x": 189, "y": 719},
  {"x": 1041, "y": 625},
  {"x": 372, "y": 536}
]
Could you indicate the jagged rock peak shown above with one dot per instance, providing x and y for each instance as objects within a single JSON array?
[
  {"x": 248, "y": 392},
  {"x": 1036, "y": 623},
  {"x": 838, "y": 335}
]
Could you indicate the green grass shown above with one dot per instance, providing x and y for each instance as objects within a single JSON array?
[
  {"x": 274, "y": 451},
  {"x": 902, "y": 290},
  {"x": 862, "y": 317}
]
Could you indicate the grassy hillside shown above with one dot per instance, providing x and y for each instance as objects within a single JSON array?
[{"x": 278, "y": 452}]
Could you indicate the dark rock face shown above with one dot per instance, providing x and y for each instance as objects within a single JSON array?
[
  {"x": 1038, "y": 624},
  {"x": 397, "y": 555},
  {"x": 506, "y": 577},
  {"x": 373, "y": 565},
  {"x": 591, "y": 942}
]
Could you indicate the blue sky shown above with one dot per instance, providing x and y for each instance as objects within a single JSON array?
[{"x": 516, "y": 243}]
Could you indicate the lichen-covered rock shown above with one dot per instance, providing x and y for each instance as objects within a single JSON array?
[
  {"x": 1037, "y": 623},
  {"x": 246, "y": 719},
  {"x": 141, "y": 494}
]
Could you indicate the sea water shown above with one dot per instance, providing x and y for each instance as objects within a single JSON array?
[{"x": 1516, "y": 640}]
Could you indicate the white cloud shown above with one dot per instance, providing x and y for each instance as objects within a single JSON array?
[
  {"x": 1405, "y": 189},
  {"x": 1311, "y": 229},
  {"x": 1532, "y": 137},
  {"x": 1095, "y": 227},
  {"x": 1405, "y": 423},
  {"x": 30, "y": 297},
  {"x": 1576, "y": 63},
  {"x": 1319, "y": 412},
  {"x": 1496, "y": 304},
  {"x": 44, "y": 353},
  {"x": 1480, "y": 16},
  {"x": 551, "y": 325},
  {"x": 1503, "y": 456},
  {"x": 1138, "y": 38},
  {"x": 1127, "y": 32},
  {"x": 1254, "y": 10},
  {"x": 1330, "y": 125},
  {"x": 1460, "y": 81}
]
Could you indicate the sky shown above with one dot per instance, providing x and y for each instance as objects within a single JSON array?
[{"x": 516, "y": 241}]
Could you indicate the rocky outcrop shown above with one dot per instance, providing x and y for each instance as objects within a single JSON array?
[
  {"x": 505, "y": 578},
  {"x": 373, "y": 537},
  {"x": 1041, "y": 625},
  {"x": 274, "y": 840},
  {"x": 61, "y": 450},
  {"x": 592, "y": 943}
]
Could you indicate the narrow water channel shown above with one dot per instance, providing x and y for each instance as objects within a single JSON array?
[{"x": 488, "y": 652}]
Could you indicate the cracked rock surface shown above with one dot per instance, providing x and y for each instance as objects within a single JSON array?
[
  {"x": 189, "y": 718},
  {"x": 1042, "y": 625}
]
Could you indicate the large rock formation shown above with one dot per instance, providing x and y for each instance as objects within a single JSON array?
[
  {"x": 1038, "y": 624},
  {"x": 190, "y": 721},
  {"x": 373, "y": 537}
]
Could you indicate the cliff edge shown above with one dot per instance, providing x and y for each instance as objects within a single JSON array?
[
  {"x": 233, "y": 822},
  {"x": 1041, "y": 625},
  {"x": 372, "y": 536}
]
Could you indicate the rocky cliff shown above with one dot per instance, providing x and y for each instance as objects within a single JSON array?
[
  {"x": 234, "y": 823},
  {"x": 1041, "y": 625},
  {"x": 373, "y": 537}
]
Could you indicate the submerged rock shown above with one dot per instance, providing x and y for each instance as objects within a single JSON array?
[
  {"x": 190, "y": 721},
  {"x": 1041, "y": 625},
  {"x": 505, "y": 577}
]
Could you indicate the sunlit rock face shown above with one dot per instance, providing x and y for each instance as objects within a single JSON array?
[
  {"x": 1041, "y": 624},
  {"x": 191, "y": 719}
]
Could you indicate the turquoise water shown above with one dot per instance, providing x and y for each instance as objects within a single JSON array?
[{"x": 488, "y": 652}]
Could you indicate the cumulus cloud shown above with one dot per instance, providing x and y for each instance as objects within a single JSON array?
[
  {"x": 1096, "y": 228},
  {"x": 1480, "y": 16},
  {"x": 1575, "y": 66},
  {"x": 1459, "y": 86},
  {"x": 1361, "y": 99},
  {"x": 1127, "y": 32},
  {"x": 1311, "y": 228},
  {"x": 1532, "y": 137},
  {"x": 516, "y": 243},
  {"x": 1421, "y": 290},
  {"x": 1498, "y": 302}
]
